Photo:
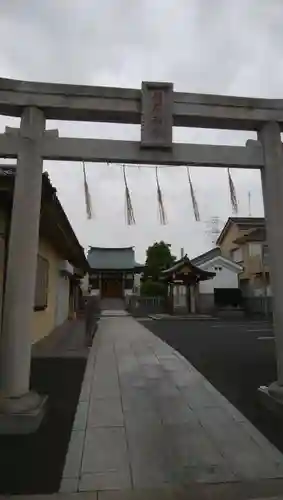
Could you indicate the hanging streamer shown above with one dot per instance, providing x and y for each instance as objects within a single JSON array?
[
  {"x": 233, "y": 197},
  {"x": 193, "y": 197},
  {"x": 162, "y": 214},
  {"x": 87, "y": 195},
  {"x": 129, "y": 206}
]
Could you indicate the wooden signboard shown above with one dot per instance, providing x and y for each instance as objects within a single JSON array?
[{"x": 157, "y": 115}]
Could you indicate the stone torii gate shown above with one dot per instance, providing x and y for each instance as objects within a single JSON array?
[{"x": 157, "y": 108}]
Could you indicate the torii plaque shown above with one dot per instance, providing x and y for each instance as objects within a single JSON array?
[{"x": 157, "y": 115}]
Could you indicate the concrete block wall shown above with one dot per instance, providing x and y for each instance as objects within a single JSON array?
[{"x": 205, "y": 303}]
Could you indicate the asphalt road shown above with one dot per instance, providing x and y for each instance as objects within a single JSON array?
[{"x": 236, "y": 357}]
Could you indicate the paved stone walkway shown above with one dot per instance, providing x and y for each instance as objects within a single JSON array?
[
  {"x": 148, "y": 419},
  {"x": 114, "y": 312}
]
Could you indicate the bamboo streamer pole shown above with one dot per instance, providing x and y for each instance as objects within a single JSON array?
[
  {"x": 193, "y": 197},
  {"x": 161, "y": 208},
  {"x": 233, "y": 197},
  {"x": 87, "y": 195},
  {"x": 129, "y": 206}
]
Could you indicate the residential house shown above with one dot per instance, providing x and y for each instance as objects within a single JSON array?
[
  {"x": 243, "y": 239},
  {"x": 256, "y": 276},
  {"x": 61, "y": 262},
  {"x": 223, "y": 289}
]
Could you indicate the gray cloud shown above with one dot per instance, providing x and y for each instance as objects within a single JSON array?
[{"x": 223, "y": 47}]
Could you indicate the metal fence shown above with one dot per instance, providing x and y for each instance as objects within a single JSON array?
[
  {"x": 261, "y": 306},
  {"x": 141, "y": 306}
]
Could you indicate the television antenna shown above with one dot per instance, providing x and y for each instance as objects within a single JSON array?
[{"x": 213, "y": 228}]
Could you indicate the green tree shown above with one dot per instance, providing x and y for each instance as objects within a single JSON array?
[
  {"x": 151, "y": 288},
  {"x": 158, "y": 258}
]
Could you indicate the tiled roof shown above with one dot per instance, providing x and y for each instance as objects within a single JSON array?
[
  {"x": 205, "y": 257},
  {"x": 112, "y": 258},
  {"x": 195, "y": 270}
]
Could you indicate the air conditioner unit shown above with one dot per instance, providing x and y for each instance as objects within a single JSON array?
[{"x": 65, "y": 268}]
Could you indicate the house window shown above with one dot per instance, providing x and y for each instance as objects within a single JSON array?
[
  {"x": 255, "y": 249},
  {"x": 237, "y": 255},
  {"x": 265, "y": 254},
  {"x": 41, "y": 284}
]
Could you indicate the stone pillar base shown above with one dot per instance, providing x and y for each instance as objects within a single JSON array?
[
  {"x": 22, "y": 415},
  {"x": 276, "y": 391},
  {"x": 272, "y": 398}
]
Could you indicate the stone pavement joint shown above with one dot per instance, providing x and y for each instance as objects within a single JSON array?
[{"x": 148, "y": 420}]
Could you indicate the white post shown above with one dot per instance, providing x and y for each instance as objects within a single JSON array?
[
  {"x": 193, "y": 299},
  {"x": 272, "y": 185},
  {"x": 15, "y": 352}
]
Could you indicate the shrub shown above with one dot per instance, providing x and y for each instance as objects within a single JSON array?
[{"x": 151, "y": 288}]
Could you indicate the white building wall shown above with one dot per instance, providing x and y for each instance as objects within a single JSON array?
[
  {"x": 225, "y": 278},
  {"x": 85, "y": 284},
  {"x": 137, "y": 283},
  {"x": 62, "y": 299},
  {"x": 180, "y": 295}
]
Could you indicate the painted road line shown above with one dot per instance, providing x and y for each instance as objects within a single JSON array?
[
  {"x": 266, "y": 338},
  {"x": 235, "y": 325},
  {"x": 255, "y": 330}
]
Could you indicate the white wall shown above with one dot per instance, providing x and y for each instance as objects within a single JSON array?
[
  {"x": 180, "y": 295},
  {"x": 85, "y": 284},
  {"x": 225, "y": 278},
  {"x": 137, "y": 283},
  {"x": 62, "y": 300}
]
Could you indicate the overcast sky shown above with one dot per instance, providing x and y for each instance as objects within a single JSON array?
[{"x": 207, "y": 46}]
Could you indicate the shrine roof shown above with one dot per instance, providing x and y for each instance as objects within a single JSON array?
[
  {"x": 184, "y": 266},
  {"x": 105, "y": 258}
]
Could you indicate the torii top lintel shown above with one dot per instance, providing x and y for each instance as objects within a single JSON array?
[{"x": 122, "y": 105}]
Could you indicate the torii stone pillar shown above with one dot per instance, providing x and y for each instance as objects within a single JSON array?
[
  {"x": 15, "y": 347},
  {"x": 272, "y": 186}
]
